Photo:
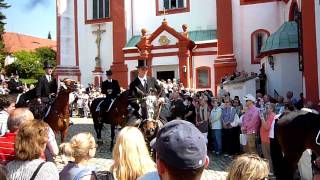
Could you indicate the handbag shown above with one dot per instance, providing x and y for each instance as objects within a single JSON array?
[
  {"x": 37, "y": 171},
  {"x": 236, "y": 121},
  {"x": 243, "y": 139},
  {"x": 203, "y": 126}
]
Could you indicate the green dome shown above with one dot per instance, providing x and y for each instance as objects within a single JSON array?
[{"x": 286, "y": 37}]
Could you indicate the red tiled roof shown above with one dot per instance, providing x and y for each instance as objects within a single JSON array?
[{"x": 17, "y": 42}]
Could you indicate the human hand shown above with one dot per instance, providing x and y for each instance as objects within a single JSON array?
[{"x": 39, "y": 100}]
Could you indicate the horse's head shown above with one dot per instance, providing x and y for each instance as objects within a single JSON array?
[
  {"x": 68, "y": 85},
  {"x": 152, "y": 106}
]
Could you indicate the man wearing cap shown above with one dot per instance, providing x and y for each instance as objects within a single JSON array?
[
  {"x": 141, "y": 86},
  {"x": 15, "y": 85},
  {"x": 47, "y": 85},
  {"x": 181, "y": 153},
  {"x": 110, "y": 88},
  {"x": 251, "y": 123}
]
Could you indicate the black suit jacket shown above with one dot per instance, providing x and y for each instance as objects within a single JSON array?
[
  {"x": 44, "y": 88},
  {"x": 136, "y": 89},
  {"x": 13, "y": 85},
  {"x": 110, "y": 89}
]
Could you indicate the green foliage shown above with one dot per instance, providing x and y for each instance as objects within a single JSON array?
[
  {"x": 46, "y": 54},
  {"x": 3, "y": 5},
  {"x": 28, "y": 81},
  {"x": 28, "y": 65}
]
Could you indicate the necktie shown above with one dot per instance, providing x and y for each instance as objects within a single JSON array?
[
  {"x": 49, "y": 77},
  {"x": 145, "y": 85}
]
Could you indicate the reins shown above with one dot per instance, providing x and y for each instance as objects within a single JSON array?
[{"x": 317, "y": 139}]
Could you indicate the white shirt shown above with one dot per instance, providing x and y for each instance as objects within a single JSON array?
[
  {"x": 48, "y": 77},
  {"x": 271, "y": 133},
  {"x": 3, "y": 122},
  {"x": 143, "y": 80}
]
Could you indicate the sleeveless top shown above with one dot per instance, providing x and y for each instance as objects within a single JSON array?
[{"x": 73, "y": 172}]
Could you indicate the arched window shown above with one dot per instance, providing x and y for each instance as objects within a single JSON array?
[
  {"x": 203, "y": 77},
  {"x": 258, "y": 38},
  {"x": 294, "y": 11}
]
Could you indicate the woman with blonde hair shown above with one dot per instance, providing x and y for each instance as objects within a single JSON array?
[
  {"x": 30, "y": 143},
  {"x": 131, "y": 156},
  {"x": 82, "y": 147},
  {"x": 248, "y": 167}
]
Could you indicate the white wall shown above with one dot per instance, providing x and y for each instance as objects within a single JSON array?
[
  {"x": 67, "y": 36},
  {"x": 246, "y": 20},
  {"x": 285, "y": 76},
  {"x": 317, "y": 16},
  {"x": 88, "y": 47},
  {"x": 207, "y": 61},
  {"x": 144, "y": 13},
  {"x": 131, "y": 66},
  {"x": 241, "y": 89}
]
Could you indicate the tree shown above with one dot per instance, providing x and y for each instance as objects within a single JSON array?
[
  {"x": 3, "y": 5},
  {"x": 49, "y": 35},
  {"x": 46, "y": 54},
  {"x": 28, "y": 65}
]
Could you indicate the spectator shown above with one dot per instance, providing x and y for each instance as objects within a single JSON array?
[
  {"x": 250, "y": 124},
  {"x": 230, "y": 138},
  {"x": 16, "y": 118},
  {"x": 7, "y": 105},
  {"x": 190, "y": 111},
  {"x": 131, "y": 156},
  {"x": 203, "y": 117},
  {"x": 290, "y": 98},
  {"x": 279, "y": 108},
  {"x": 265, "y": 131},
  {"x": 247, "y": 167},
  {"x": 82, "y": 148},
  {"x": 30, "y": 143},
  {"x": 4, "y": 90},
  {"x": 216, "y": 126},
  {"x": 181, "y": 153},
  {"x": 177, "y": 106}
]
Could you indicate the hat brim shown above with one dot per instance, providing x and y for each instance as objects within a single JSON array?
[
  {"x": 48, "y": 67},
  {"x": 141, "y": 66}
]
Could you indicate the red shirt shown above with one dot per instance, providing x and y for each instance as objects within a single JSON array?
[{"x": 7, "y": 148}]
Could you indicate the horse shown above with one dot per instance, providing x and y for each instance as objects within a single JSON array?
[
  {"x": 58, "y": 117},
  {"x": 117, "y": 115},
  {"x": 153, "y": 122},
  {"x": 295, "y": 135}
]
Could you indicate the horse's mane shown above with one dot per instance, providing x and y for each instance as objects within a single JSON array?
[{"x": 290, "y": 116}]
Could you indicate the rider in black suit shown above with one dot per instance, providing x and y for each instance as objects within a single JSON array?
[
  {"x": 46, "y": 88},
  {"x": 15, "y": 85},
  {"x": 141, "y": 86},
  {"x": 110, "y": 88}
]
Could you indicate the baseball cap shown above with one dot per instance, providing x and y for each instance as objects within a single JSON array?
[
  {"x": 249, "y": 97},
  {"x": 181, "y": 145}
]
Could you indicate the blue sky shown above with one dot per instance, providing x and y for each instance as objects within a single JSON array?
[{"x": 31, "y": 17}]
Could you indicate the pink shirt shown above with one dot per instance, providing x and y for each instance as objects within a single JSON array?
[
  {"x": 251, "y": 120},
  {"x": 265, "y": 130}
]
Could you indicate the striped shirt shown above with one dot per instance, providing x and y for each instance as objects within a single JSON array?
[{"x": 7, "y": 148}]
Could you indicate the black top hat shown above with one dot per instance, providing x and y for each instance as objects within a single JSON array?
[
  {"x": 46, "y": 64},
  {"x": 15, "y": 73},
  {"x": 109, "y": 72},
  {"x": 142, "y": 63}
]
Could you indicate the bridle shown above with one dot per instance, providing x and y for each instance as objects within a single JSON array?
[{"x": 317, "y": 139}]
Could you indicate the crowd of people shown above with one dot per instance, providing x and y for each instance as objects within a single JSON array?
[
  {"x": 198, "y": 123},
  {"x": 181, "y": 153}
]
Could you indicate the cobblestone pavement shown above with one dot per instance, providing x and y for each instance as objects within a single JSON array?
[{"x": 217, "y": 167}]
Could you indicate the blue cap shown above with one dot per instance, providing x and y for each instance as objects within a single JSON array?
[{"x": 181, "y": 145}]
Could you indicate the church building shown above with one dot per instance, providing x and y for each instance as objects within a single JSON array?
[{"x": 196, "y": 41}]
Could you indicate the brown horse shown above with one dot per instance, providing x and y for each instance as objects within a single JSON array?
[
  {"x": 295, "y": 136},
  {"x": 117, "y": 115},
  {"x": 59, "y": 115}
]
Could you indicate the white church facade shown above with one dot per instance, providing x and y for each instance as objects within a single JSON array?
[{"x": 195, "y": 41}]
